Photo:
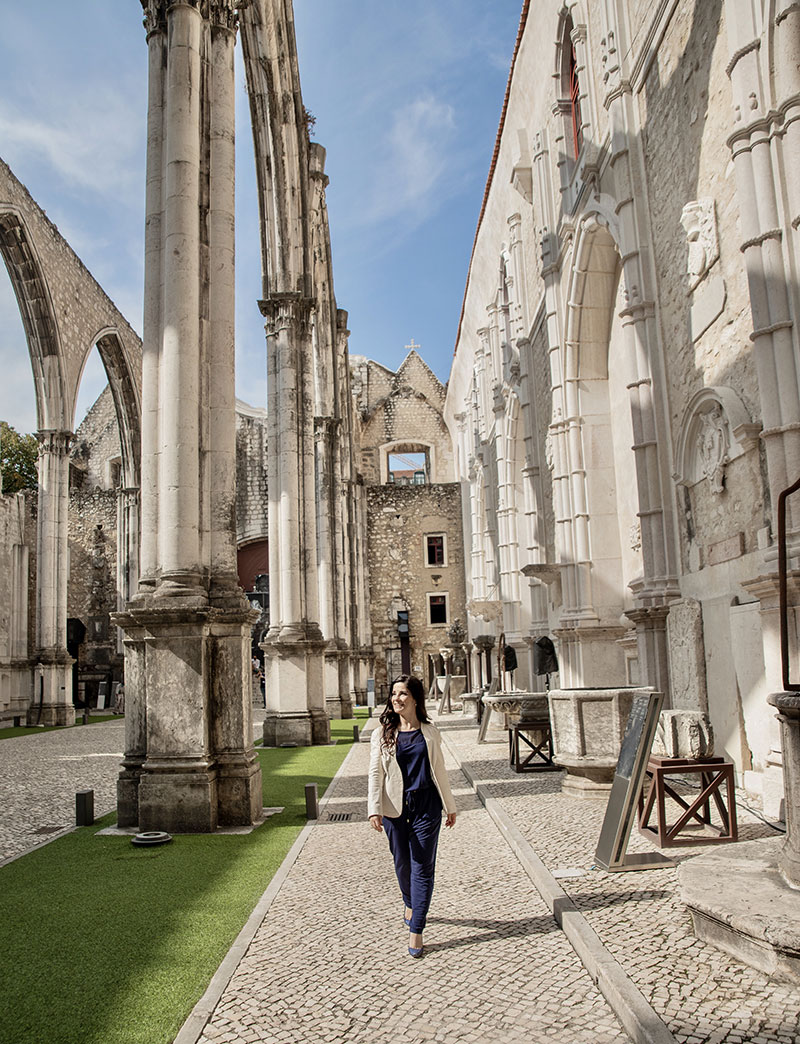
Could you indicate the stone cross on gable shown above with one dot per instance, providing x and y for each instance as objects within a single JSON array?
[{"x": 412, "y": 346}]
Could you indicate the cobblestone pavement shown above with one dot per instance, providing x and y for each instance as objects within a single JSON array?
[
  {"x": 704, "y": 996},
  {"x": 40, "y": 774},
  {"x": 329, "y": 962}
]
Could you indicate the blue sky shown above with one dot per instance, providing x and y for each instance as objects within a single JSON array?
[{"x": 407, "y": 97}]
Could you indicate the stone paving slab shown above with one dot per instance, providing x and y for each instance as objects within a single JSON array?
[
  {"x": 704, "y": 996},
  {"x": 329, "y": 962}
]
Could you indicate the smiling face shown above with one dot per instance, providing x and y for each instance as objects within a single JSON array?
[{"x": 403, "y": 703}]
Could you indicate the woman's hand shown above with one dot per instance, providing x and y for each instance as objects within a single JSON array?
[
  {"x": 451, "y": 819},
  {"x": 376, "y": 822}
]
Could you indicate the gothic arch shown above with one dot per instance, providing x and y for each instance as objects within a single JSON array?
[
  {"x": 38, "y": 319},
  {"x": 125, "y": 394}
]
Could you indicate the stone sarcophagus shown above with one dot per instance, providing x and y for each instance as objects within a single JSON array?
[{"x": 588, "y": 726}]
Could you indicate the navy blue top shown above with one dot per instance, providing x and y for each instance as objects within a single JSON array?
[{"x": 412, "y": 757}]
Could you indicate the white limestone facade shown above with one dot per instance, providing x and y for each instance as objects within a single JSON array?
[{"x": 624, "y": 395}]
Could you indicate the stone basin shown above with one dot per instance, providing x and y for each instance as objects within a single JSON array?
[
  {"x": 588, "y": 726},
  {"x": 514, "y": 706}
]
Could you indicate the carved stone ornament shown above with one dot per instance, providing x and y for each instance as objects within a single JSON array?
[
  {"x": 713, "y": 441},
  {"x": 223, "y": 12},
  {"x": 511, "y": 364},
  {"x": 155, "y": 15},
  {"x": 635, "y": 536},
  {"x": 700, "y": 224},
  {"x": 715, "y": 430},
  {"x": 610, "y": 59}
]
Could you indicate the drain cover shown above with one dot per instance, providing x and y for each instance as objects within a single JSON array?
[
  {"x": 151, "y": 837},
  {"x": 339, "y": 817}
]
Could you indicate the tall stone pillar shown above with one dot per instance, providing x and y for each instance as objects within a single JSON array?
[
  {"x": 764, "y": 142},
  {"x": 52, "y": 695},
  {"x": 189, "y": 760},
  {"x": 294, "y": 644}
]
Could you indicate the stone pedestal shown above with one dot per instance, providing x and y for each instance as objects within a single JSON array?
[
  {"x": 746, "y": 900},
  {"x": 336, "y": 675},
  {"x": 741, "y": 903},
  {"x": 189, "y": 764},
  {"x": 52, "y": 695},
  {"x": 296, "y": 711},
  {"x": 588, "y": 726},
  {"x": 788, "y": 706}
]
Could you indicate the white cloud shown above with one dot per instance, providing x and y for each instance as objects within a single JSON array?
[
  {"x": 411, "y": 160},
  {"x": 89, "y": 143}
]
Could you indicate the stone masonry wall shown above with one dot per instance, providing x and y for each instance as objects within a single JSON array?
[
  {"x": 398, "y": 518},
  {"x": 251, "y": 474}
]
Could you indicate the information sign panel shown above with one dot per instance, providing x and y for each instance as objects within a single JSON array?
[{"x": 628, "y": 779}]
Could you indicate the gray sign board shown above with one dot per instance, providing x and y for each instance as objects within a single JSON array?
[{"x": 622, "y": 803}]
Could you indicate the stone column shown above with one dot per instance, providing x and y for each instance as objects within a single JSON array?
[
  {"x": 189, "y": 761},
  {"x": 765, "y": 123},
  {"x": 788, "y": 707},
  {"x": 484, "y": 643},
  {"x": 19, "y": 666},
  {"x": 52, "y": 696},
  {"x": 294, "y": 644},
  {"x": 653, "y": 652}
]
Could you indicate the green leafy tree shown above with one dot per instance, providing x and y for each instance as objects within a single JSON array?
[{"x": 18, "y": 456}]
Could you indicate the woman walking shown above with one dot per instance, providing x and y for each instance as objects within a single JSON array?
[{"x": 408, "y": 788}]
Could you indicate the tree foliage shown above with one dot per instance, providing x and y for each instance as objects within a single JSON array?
[{"x": 18, "y": 457}]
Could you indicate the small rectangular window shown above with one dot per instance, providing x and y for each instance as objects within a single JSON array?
[
  {"x": 435, "y": 549},
  {"x": 437, "y": 609}
]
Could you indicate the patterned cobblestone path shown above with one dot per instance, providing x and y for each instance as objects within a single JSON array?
[
  {"x": 702, "y": 995},
  {"x": 40, "y": 774},
  {"x": 329, "y": 962}
]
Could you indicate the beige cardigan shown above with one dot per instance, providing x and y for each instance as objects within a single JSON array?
[{"x": 386, "y": 779}]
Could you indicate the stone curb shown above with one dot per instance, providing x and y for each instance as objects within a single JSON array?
[
  {"x": 642, "y": 1024},
  {"x": 192, "y": 1029}
]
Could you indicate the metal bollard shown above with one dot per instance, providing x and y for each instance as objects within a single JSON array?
[
  {"x": 84, "y": 808},
  {"x": 312, "y": 801},
  {"x": 356, "y": 734}
]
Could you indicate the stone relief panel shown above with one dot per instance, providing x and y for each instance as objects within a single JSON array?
[
  {"x": 687, "y": 657},
  {"x": 716, "y": 429},
  {"x": 700, "y": 224}
]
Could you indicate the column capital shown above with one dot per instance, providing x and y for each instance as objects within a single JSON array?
[
  {"x": 54, "y": 441},
  {"x": 155, "y": 16},
  {"x": 282, "y": 311},
  {"x": 223, "y": 13}
]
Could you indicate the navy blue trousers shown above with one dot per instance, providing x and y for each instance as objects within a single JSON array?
[{"x": 413, "y": 838}]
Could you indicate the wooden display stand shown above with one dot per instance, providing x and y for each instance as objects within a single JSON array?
[
  {"x": 540, "y": 756},
  {"x": 713, "y": 773}
]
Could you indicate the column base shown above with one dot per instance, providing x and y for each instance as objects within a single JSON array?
[
  {"x": 239, "y": 789},
  {"x": 295, "y": 702},
  {"x": 297, "y": 729},
  {"x": 52, "y": 693},
  {"x": 178, "y": 796},
  {"x": 51, "y": 714},
  {"x": 128, "y": 792},
  {"x": 741, "y": 903},
  {"x": 190, "y": 765}
]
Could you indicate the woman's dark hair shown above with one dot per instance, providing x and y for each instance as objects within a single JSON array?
[{"x": 390, "y": 719}]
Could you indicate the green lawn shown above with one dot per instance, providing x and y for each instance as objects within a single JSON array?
[
  {"x": 30, "y": 730},
  {"x": 107, "y": 943}
]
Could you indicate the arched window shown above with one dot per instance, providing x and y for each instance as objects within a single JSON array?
[
  {"x": 574, "y": 98},
  {"x": 570, "y": 90}
]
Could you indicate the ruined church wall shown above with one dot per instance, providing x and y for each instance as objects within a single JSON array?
[{"x": 398, "y": 519}]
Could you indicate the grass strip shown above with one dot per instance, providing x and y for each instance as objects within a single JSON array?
[
  {"x": 30, "y": 730},
  {"x": 107, "y": 943}
]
